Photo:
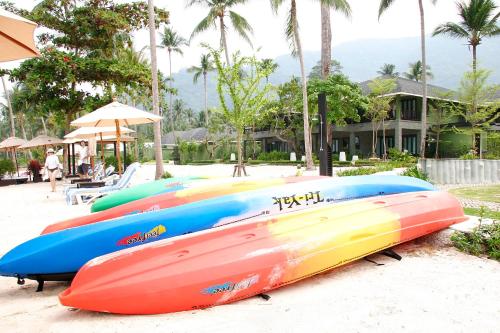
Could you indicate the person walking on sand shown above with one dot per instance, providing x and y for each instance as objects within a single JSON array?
[
  {"x": 52, "y": 164},
  {"x": 83, "y": 160}
]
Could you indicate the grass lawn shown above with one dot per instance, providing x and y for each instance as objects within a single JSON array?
[
  {"x": 486, "y": 193},
  {"x": 487, "y": 213}
]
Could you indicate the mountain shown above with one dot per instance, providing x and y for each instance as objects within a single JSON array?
[{"x": 361, "y": 59}]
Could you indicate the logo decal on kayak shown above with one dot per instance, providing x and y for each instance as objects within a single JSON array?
[
  {"x": 288, "y": 202},
  {"x": 173, "y": 184},
  {"x": 230, "y": 286},
  {"x": 142, "y": 237}
]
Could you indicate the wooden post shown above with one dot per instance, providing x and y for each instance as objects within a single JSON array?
[
  {"x": 118, "y": 157},
  {"x": 102, "y": 154}
]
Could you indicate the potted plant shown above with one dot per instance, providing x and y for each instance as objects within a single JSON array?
[{"x": 34, "y": 168}]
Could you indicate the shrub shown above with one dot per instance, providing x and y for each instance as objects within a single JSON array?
[
  {"x": 6, "y": 166},
  {"x": 399, "y": 156},
  {"x": 357, "y": 172},
  {"x": 111, "y": 160},
  {"x": 274, "y": 156},
  {"x": 166, "y": 175},
  {"x": 34, "y": 167},
  {"x": 415, "y": 172},
  {"x": 483, "y": 240}
]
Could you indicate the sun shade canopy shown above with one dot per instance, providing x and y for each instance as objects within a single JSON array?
[
  {"x": 16, "y": 37},
  {"x": 115, "y": 112}
]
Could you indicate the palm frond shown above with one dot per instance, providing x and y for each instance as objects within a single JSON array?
[
  {"x": 241, "y": 25},
  {"x": 451, "y": 29},
  {"x": 384, "y": 5},
  {"x": 341, "y": 6}
]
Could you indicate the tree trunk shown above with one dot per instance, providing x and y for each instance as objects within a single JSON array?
[
  {"x": 374, "y": 141},
  {"x": 23, "y": 131},
  {"x": 223, "y": 40},
  {"x": 11, "y": 113},
  {"x": 240, "y": 153},
  {"x": 307, "y": 130},
  {"x": 474, "y": 58},
  {"x": 44, "y": 126},
  {"x": 170, "y": 109},
  {"x": 156, "y": 106},
  {"x": 423, "y": 129},
  {"x": 436, "y": 155},
  {"x": 206, "y": 97},
  {"x": 384, "y": 156},
  {"x": 326, "y": 55}
]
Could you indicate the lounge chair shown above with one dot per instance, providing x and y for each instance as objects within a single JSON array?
[
  {"x": 80, "y": 195},
  {"x": 101, "y": 176}
]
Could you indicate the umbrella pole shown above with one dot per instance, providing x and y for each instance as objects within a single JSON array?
[
  {"x": 15, "y": 160},
  {"x": 102, "y": 153},
  {"x": 118, "y": 157}
]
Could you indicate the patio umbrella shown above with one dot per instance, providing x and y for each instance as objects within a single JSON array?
[
  {"x": 116, "y": 114},
  {"x": 16, "y": 37},
  {"x": 42, "y": 141},
  {"x": 12, "y": 143},
  {"x": 97, "y": 132}
]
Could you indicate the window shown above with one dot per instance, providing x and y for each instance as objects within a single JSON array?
[
  {"x": 409, "y": 109},
  {"x": 410, "y": 143},
  {"x": 357, "y": 143},
  {"x": 335, "y": 146}
]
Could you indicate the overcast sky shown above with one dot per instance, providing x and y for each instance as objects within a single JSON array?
[{"x": 401, "y": 20}]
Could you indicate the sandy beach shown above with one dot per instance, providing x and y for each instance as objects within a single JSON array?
[{"x": 433, "y": 288}]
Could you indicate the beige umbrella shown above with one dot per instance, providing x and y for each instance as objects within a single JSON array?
[
  {"x": 16, "y": 37},
  {"x": 116, "y": 114},
  {"x": 12, "y": 143},
  {"x": 41, "y": 141},
  {"x": 96, "y": 132}
]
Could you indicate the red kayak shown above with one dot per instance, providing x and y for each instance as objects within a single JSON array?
[
  {"x": 195, "y": 192},
  {"x": 234, "y": 262}
]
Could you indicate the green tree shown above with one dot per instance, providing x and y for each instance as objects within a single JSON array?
[
  {"x": 344, "y": 100},
  {"x": 478, "y": 98},
  {"x": 389, "y": 70},
  {"x": 335, "y": 68},
  {"x": 72, "y": 51},
  {"x": 415, "y": 71},
  {"x": 379, "y": 105},
  {"x": 441, "y": 113},
  {"x": 173, "y": 42},
  {"x": 206, "y": 65},
  {"x": 384, "y": 5},
  {"x": 242, "y": 97},
  {"x": 271, "y": 65},
  {"x": 218, "y": 10},
  {"x": 285, "y": 119},
  {"x": 478, "y": 20},
  {"x": 293, "y": 37}
]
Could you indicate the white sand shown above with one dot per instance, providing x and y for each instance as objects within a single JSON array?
[{"x": 434, "y": 287}]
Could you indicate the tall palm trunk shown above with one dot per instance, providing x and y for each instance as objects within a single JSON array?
[
  {"x": 423, "y": 129},
  {"x": 436, "y": 155},
  {"x": 206, "y": 97},
  {"x": 307, "y": 129},
  {"x": 44, "y": 126},
  {"x": 9, "y": 105},
  {"x": 156, "y": 105},
  {"x": 223, "y": 39},
  {"x": 170, "y": 109},
  {"x": 326, "y": 55}
]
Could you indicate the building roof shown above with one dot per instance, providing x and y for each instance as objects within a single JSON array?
[
  {"x": 199, "y": 134},
  {"x": 407, "y": 87}
]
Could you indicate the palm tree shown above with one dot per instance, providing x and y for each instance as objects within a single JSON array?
[
  {"x": 478, "y": 20},
  {"x": 218, "y": 10},
  {"x": 173, "y": 42},
  {"x": 156, "y": 105},
  {"x": 415, "y": 71},
  {"x": 389, "y": 70},
  {"x": 11, "y": 113},
  {"x": 206, "y": 65},
  {"x": 292, "y": 35},
  {"x": 269, "y": 64},
  {"x": 326, "y": 31},
  {"x": 384, "y": 5}
]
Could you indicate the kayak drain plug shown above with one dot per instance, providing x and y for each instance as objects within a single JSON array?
[{"x": 20, "y": 281}]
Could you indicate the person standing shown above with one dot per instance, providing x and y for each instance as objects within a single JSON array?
[
  {"x": 83, "y": 160},
  {"x": 52, "y": 164}
]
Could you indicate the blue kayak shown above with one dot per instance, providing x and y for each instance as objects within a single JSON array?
[{"x": 65, "y": 251}]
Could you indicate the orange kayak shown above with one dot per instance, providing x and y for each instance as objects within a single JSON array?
[
  {"x": 193, "y": 192},
  {"x": 234, "y": 262}
]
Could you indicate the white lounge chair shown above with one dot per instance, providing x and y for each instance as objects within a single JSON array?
[{"x": 79, "y": 195}]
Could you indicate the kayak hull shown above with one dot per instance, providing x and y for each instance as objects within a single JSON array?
[
  {"x": 177, "y": 196},
  {"x": 224, "y": 265},
  {"x": 140, "y": 191},
  {"x": 48, "y": 254}
]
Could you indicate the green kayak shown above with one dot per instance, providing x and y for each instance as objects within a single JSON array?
[{"x": 141, "y": 191}]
